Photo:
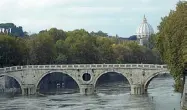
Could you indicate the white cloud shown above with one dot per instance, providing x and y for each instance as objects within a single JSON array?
[
  {"x": 44, "y": 3},
  {"x": 146, "y": 1},
  {"x": 35, "y": 15},
  {"x": 94, "y": 9}
]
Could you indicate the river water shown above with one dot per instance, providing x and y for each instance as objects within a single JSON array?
[{"x": 113, "y": 96}]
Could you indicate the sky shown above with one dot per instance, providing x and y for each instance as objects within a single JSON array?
[{"x": 121, "y": 17}]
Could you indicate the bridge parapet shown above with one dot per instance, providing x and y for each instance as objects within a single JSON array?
[
  {"x": 83, "y": 66},
  {"x": 9, "y": 69}
]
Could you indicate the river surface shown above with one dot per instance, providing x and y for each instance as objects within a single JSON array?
[{"x": 113, "y": 96}]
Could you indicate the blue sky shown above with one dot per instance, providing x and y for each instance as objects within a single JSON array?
[{"x": 120, "y": 17}]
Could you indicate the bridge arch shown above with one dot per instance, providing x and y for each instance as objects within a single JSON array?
[
  {"x": 106, "y": 72},
  {"x": 51, "y": 72},
  {"x": 15, "y": 78},
  {"x": 149, "y": 79}
]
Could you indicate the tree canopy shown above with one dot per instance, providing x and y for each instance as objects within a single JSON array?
[
  {"x": 172, "y": 40},
  {"x": 73, "y": 47}
]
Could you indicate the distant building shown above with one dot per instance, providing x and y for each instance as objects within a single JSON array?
[
  {"x": 12, "y": 29},
  {"x": 6, "y": 31},
  {"x": 143, "y": 32}
]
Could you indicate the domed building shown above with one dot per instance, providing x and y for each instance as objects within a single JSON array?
[{"x": 143, "y": 32}]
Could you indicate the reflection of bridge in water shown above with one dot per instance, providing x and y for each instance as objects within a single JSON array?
[{"x": 85, "y": 75}]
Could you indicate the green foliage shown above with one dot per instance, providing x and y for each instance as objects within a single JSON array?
[
  {"x": 55, "y": 34},
  {"x": 12, "y": 51},
  {"x": 99, "y": 33},
  {"x": 172, "y": 40},
  {"x": 152, "y": 41},
  {"x": 41, "y": 49},
  {"x": 73, "y": 47}
]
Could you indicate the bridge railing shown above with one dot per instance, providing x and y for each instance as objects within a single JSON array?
[
  {"x": 83, "y": 66},
  {"x": 13, "y": 68},
  {"x": 77, "y": 66}
]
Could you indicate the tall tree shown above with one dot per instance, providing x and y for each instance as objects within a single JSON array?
[
  {"x": 171, "y": 40},
  {"x": 42, "y": 49},
  {"x": 12, "y": 51}
]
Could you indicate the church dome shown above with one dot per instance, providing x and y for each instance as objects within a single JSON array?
[{"x": 144, "y": 30}]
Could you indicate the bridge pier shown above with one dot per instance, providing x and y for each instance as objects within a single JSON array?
[
  {"x": 28, "y": 90},
  {"x": 87, "y": 89},
  {"x": 137, "y": 89}
]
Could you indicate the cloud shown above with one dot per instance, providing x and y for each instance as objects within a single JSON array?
[
  {"x": 46, "y": 3},
  {"x": 107, "y": 15},
  {"x": 146, "y": 1}
]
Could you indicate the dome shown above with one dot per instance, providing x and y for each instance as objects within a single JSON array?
[{"x": 144, "y": 30}]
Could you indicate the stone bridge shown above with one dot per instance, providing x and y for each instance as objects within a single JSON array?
[{"x": 138, "y": 75}]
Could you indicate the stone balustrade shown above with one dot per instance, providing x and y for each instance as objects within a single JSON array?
[{"x": 83, "y": 66}]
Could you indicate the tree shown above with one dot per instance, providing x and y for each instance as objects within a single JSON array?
[
  {"x": 55, "y": 46},
  {"x": 171, "y": 41},
  {"x": 12, "y": 51},
  {"x": 151, "y": 41},
  {"x": 99, "y": 33},
  {"x": 81, "y": 47},
  {"x": 42, "y": 49},
  {"x": 62, "y": 52},
  {"x": 104, "y": 46},
  {"x": 57, "y": 34},
  {"x": 122, "y": 53}
]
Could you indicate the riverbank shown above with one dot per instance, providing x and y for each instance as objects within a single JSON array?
[{"x": 184, "y": 96}]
